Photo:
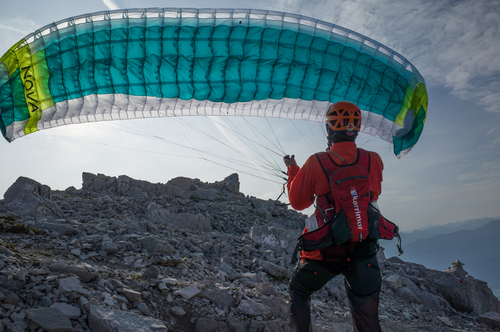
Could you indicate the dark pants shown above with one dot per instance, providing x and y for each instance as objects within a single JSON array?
[{"x": 362, "y": 283}]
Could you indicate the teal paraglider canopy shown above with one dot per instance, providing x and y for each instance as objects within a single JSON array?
[{"x": 160, "y": 62}]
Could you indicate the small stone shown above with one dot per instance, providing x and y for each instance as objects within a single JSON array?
[
  {"x": 45, "y": 301},
  {"x": 120, "y": 298},
  {"x": 132, "y": 295},
  {"x": 273, "y": 269},
  {"x": 395, "y": 281},
  {"x": 188, "y": 292},
  {"x": 445, "y": 320},
  {"x": 179, "y": 311},
  {"x": 12, "y": 298},
  {"x": 137, "y": 263},
  {"x": 169, "y": 281},
  {"x": 220, "y": 298},
  {"x": 181, "y": 266},
  {"x": 108, "y": 300},
  {"x": 16, "y": 327},
  {"x": 151, "y": 273},
  {"x": 42, "y": 271},
  {"x": 144, "y": 309},
  {"x": 265, "y": 288},
  {"x": 252, "y": 308},
  {"x": 88, "y": 304},
  {"x": 128, "y": 260},
  {"x": 70, "y": 284},
  {"x": 109, "y": 247},
  {"x": 18, "y": 316}
]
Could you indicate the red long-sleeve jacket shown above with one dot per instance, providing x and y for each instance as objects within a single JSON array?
[{"x": 308, "y": 182}]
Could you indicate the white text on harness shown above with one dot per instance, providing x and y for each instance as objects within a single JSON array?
[{"x": 357, "y": 212}]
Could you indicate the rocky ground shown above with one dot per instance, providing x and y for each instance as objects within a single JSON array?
[{"x": 126, "y": 255}]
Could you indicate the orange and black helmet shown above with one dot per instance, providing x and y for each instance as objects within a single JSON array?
[{"x": 343, "y": 116}]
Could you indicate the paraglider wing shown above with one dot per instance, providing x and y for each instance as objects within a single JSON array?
[{"x": 174, "y": 62}]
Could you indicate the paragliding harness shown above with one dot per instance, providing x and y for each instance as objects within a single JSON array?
[{"x": 346, "y": 213}]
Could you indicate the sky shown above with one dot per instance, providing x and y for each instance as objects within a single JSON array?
[{"x": 452, "y": 174}]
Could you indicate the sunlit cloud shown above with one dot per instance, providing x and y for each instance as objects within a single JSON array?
[
  {"x": 110, "y": 4},
  {"x": 11, "y": 28}
]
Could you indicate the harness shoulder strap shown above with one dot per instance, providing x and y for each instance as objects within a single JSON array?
[
  {"x": 365, "y": 157},
  {"x": 326, "y": 172},
  {"x": 323, "y": 168}
]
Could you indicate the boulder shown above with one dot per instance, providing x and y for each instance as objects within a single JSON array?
[
  {"x": 491, "y": 319},
  {"x": 467, "y": 294},
  {"x": 26, "y": 197},
  {"x": 232, "y": 183}
]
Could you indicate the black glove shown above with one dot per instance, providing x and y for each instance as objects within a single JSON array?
[{"x": 289, "y": 161}]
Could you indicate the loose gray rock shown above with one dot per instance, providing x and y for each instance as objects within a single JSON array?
[
  {"x": 109, "y": 247},
  {"x": 273, "y": 269},
  {"x": 144, "y": 309},
  {"x": 110, "y": 320},
  {"x": 72, "y": 284},
  {"x": 150, "y": 243},
  {"x": 50, "y": 319},
  {"x": 179, "y": 311},
  {"x": 151, "y": 273},
  {"x": 68, "y": 310},
  {"x": 45, "y": 301},
  {"x": 278, "y": 239},
  {"x": 220, "y": 298},
  {"x": 394, "y": 281},
  {"x": 265, "y": 288},
  {"x": 80, "y": 271},
  {"x": 12, "y": 298},
  {"x": 188, "y": 292},
  {"x": 491, "y": 319},
  {"x": 252, "y": 308},
  {"x": 132, "y": 295}
]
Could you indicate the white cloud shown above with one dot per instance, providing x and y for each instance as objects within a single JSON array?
[
  {"x": 110, "y": 4},
  {"x": 11, "y": 28}
]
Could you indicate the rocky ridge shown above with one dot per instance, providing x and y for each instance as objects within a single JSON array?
[{"x": 121, "y": 254}]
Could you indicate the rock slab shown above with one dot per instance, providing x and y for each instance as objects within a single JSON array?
[
  {"x": 50, "y": 319},
  {"x": 110, "y": 320}
]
